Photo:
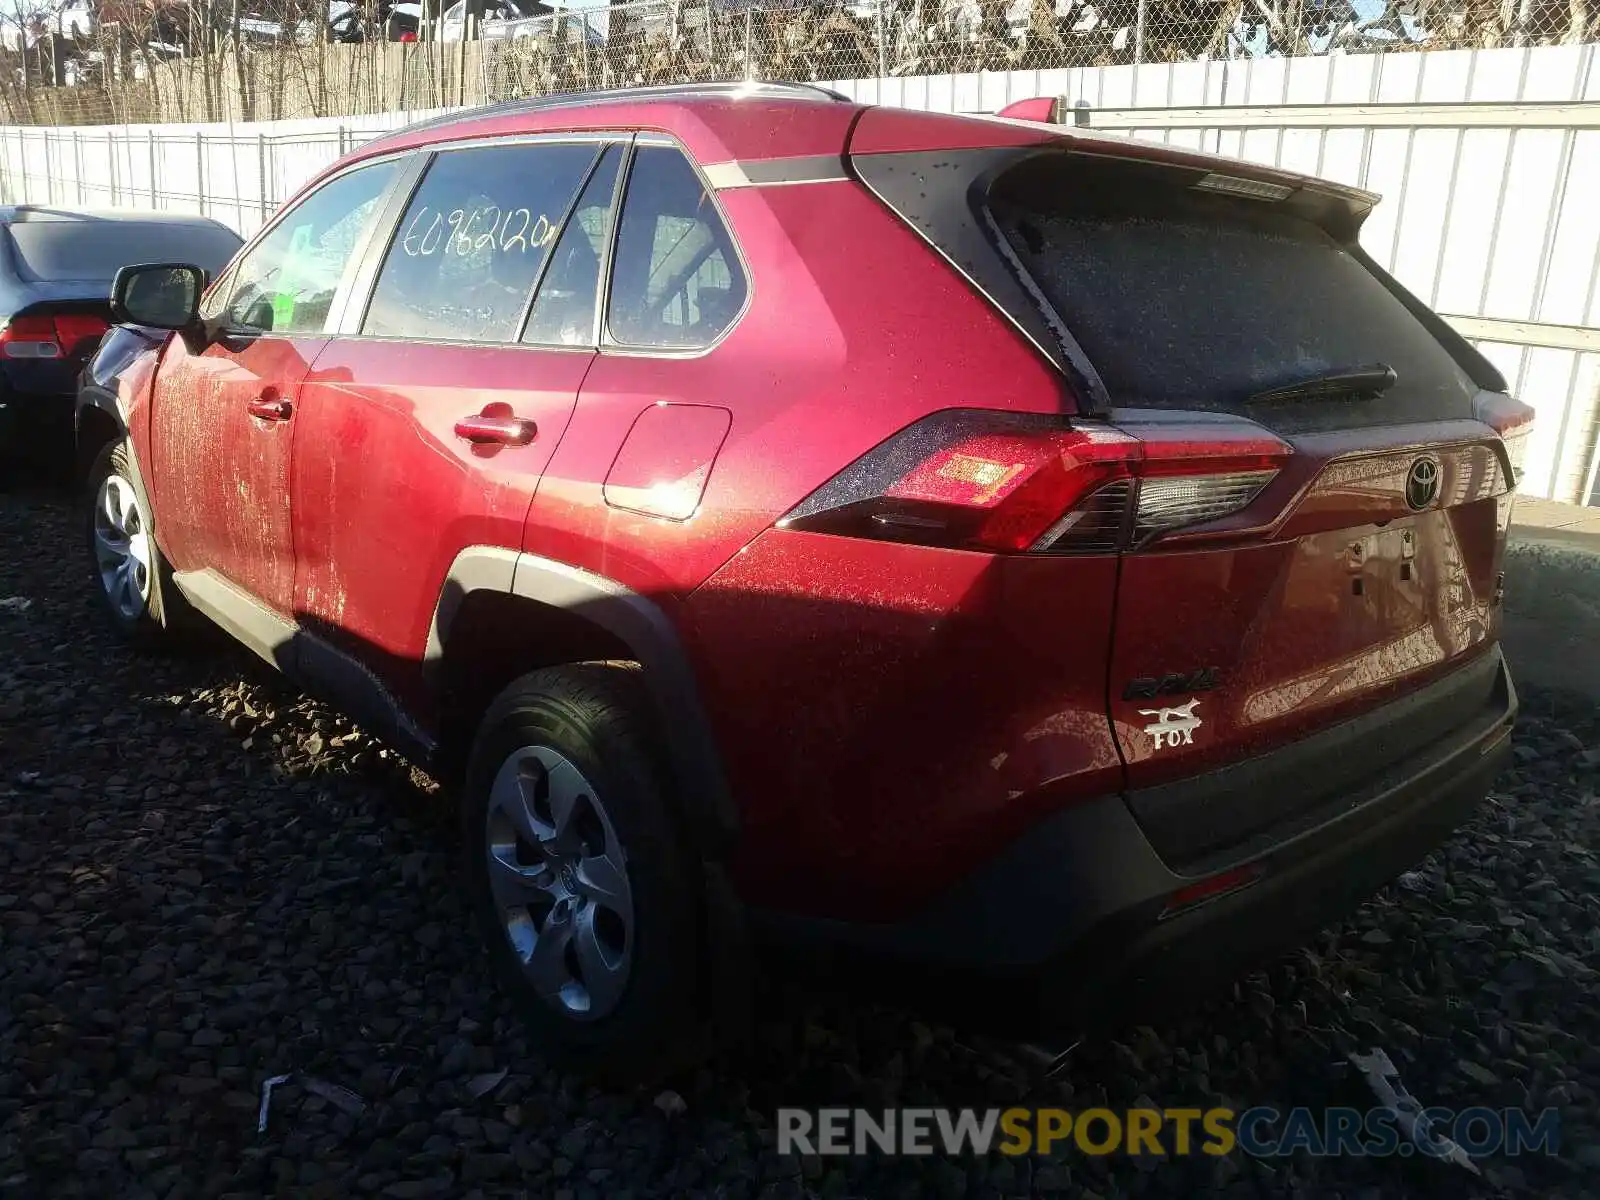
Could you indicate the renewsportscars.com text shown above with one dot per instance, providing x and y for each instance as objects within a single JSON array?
[{"x": 1261, "y": 1131}]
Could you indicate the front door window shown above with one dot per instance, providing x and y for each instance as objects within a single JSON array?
[{"x": 287, "y": 282}]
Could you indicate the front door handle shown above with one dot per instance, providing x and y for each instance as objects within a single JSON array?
[
  {"x": 485, "y": 428},
  {"x": 270, "y": 406}
]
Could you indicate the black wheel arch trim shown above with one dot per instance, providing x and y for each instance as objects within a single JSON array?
[
  {"x": 93, "y": 395},
  {"x": 638, "y": 623},
  {"x": 97, "y": 389},
  {"x": 93, "y": 398}
]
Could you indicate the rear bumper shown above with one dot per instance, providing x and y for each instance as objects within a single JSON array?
[{"x": 1070, "y": 916}]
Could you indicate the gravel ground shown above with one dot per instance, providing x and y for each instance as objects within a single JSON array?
[{"x": 207, "y": 879}]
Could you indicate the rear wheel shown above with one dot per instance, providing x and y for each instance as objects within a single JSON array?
[
  {"x": 127, "y": 572},
  {"x": 578, "y": 873}
]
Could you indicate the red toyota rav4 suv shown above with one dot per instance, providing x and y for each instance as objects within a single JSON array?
[{"x": 1058, "y": 559}]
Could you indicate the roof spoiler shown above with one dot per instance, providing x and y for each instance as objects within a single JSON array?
[{"x": 1336, "y": 206}]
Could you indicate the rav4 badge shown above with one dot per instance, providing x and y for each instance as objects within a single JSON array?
[{"x": 1172, "y": 726}]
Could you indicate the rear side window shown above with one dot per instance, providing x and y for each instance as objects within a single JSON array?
[
  {"x": 93, "y": 250},
  {"x": 563, "y": 313},
  {"x": 676, "y": 283},
  {"x": 472, "y": 242},
  {"x": 1185, "y": 298}
]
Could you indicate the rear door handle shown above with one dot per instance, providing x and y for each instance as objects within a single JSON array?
[
  {"x": 269, "y": 406},
  {"x": 484, "y": 429}
]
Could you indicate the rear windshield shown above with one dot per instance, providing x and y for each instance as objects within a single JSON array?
[
  {"x": 1191, "y": 299},
  {"x": 53, "y": 251}
]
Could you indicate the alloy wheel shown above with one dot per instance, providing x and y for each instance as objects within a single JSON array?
[
  {"x": 559, "y": 879},
  {"x": 122, "y": 547}
]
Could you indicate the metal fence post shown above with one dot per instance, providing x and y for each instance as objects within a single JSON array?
[
  {"x": 150, "y": 136},
  {"x": 200, "y": 169},
  {"x": 1138, "y": 34},
  {"x": 77, "y": 163},
  {"x": 111, "y": 164},
  {"x": 261, "y": 173},
  {"x": 883, "y": 51},
  {"x": 1590, "y": 495}
]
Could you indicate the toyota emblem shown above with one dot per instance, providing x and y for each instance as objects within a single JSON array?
[{"x": 1422, "y": 483}]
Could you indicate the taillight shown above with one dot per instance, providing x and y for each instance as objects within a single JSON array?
[
  {"x": 78, "y": 331},
  {"x": 29, "y": 337},
  {"x": 1513, "y": 421},
  {"x": 57, "y": 336},
  {"x": 1005, "y": 483}
]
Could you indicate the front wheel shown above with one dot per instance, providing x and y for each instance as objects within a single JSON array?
[
  {"x": 127, "y": 572},
  {"x": 578, "y": 873}
]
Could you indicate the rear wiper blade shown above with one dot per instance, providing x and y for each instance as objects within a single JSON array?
[{"x": 1353, "y": 382}]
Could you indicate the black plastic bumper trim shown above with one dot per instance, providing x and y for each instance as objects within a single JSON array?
[
  {"x": 1070, "y": 911},
  {"x": 1230, "y": 814}
]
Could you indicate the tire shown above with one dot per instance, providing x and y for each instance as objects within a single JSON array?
[
  {"x": 140, "y": 601},
  {"x": 615, "y": 997}
]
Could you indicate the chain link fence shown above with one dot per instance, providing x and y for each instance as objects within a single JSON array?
[{"x": 186, "y": 61}]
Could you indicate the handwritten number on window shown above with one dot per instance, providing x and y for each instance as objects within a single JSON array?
[
  {"x": 520, "y": 238},
  {"x": 486, "y": 239},
  {"x": 455, "y": 219},
  {"x": 419, "y": 246},
  {"x": 476, "y": 229}
]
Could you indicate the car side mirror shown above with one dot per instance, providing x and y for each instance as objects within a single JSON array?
[
  {"x": 259, "y": 315},
  {"x": 160, "y": 295}
]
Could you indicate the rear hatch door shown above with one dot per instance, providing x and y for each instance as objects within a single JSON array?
[
  {"x": 1358, "y": 560},
  {"x": 1313, "y": 471}
]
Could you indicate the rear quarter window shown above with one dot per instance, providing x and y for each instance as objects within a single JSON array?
[{"x": 677, "y": 282}]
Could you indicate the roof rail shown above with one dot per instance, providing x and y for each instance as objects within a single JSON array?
[{"x": 662, "y": 91}]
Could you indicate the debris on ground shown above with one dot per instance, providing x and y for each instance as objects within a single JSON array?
[
  {"x": 266, "y": 1100},
  {"x": 1383, "y": 1077}
]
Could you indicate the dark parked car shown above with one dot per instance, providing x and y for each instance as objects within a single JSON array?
[
  {"x": 1058, "y": 561},
  {"x": 56, "y": 268}
]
